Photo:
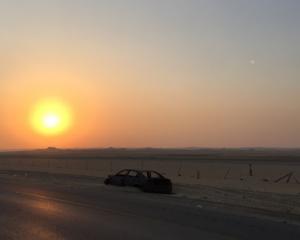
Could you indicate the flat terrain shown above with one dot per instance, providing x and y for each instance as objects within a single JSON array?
[
  {"x": 219, "y": 154},
  {"x": 40, "y": 206},
  {"x": 257, "y": 169}
]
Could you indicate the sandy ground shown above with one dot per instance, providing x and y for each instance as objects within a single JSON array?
[
  {"x": 286, "y": 206},
  {"x": 51, "y": 206},
  {"x": 220, "y": 176},
  {"x": 267, "y": 176}
]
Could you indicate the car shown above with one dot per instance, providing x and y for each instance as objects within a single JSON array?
[{"x": 146, "y": 180}]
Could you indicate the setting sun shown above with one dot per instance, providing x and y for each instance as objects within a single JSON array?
[
  {"x": 51, "y": 121},
  {"x": 51, "y": 117}
]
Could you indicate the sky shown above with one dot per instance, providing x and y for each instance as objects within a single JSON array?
[{"x": 159, "y": 73}]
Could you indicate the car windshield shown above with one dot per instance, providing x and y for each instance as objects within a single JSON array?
[
  {"x": 155, "y": 175},
  {"x": 133, "y": 173},
  {"x": 122, "y": 173}
]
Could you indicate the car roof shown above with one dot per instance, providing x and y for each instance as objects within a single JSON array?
[
  {"x": 129, "y": 169},
  {"x": 140, "y": 171}
]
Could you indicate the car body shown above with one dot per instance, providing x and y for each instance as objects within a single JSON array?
[{"x": 146, "y": 180}]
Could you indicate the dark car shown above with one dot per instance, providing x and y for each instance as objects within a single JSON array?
[{"x": 146, "y": 180}]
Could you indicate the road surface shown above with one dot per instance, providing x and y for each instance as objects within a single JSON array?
[{"x": 62, "y": 209}]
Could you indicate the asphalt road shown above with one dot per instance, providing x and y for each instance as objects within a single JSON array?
[{"x": 62, "y": 209}]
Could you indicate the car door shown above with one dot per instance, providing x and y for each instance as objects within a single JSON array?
[
  {"x": 132, "y": 178},
  {"x": 120, "y": 177},
  {"x": 156, "y": 178}
]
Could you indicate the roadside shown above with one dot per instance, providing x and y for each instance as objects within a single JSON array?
[{"x": 281, "y": 207}]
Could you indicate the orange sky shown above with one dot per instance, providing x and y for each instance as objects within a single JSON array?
[{"x": 151, "y": 74}]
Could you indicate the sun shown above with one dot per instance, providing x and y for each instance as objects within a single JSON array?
[
  {"x": 51, "y": 117},
  {"x": 51, "y": 121}
]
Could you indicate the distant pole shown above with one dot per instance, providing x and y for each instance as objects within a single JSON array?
[
  {"x": 87, "y": 164},
  {"x": 250, "y": 170},
  {"x": 198, "y": 174},
  {"x": 110, "y": 165},
  {"x": 227, "y": 173},
  {"x": 179, "y": 168}
]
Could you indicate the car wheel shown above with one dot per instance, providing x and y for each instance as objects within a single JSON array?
[{"x": 145, "y": 188}]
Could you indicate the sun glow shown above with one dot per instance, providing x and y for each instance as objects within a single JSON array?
[{"x": 51, "y": 117}]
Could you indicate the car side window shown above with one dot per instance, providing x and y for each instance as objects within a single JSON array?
[
  {"x": 155, "y": 175},
  {"x": 122, "y": 173},
  {"x": 133, "y": 173},
  {"x": 146, "y": 174}
]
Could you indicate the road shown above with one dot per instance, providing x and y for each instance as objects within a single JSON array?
[{"x": 62, "y": 209}]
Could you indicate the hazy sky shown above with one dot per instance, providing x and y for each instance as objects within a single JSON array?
[{"x": 153, "y": 73}]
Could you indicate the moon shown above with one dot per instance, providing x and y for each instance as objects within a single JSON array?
[
  {"x": 51, "y": 117},
  {"x": 252, "y": 62}
]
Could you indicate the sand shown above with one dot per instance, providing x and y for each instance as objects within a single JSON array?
[{"x": 263, "y": 170}]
